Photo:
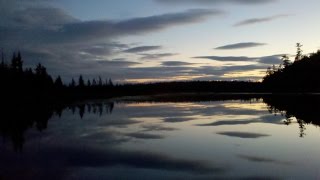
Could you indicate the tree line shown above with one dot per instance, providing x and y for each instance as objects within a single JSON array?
[
  {"x": 17, "y": 81},
  {"x": 301, "y": 75}
]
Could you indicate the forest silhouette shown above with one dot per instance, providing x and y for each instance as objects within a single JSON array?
[
  {"x": 30, "y": 97},
  {"x": 21, "y": 83},
  {"x": 300, "y": 76}
]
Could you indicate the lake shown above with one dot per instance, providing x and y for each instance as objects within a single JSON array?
[{"x": 128, "y": 138}]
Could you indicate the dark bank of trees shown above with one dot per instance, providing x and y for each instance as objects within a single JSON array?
[
  {"x": 18, "y": 82},
  {"x": 300, "y": 76}
]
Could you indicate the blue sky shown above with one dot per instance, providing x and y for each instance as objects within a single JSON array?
[{"x": 158, "y": 40}]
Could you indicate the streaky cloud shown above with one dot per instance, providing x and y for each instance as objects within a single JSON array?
[
  {"x": 156, "y": 56},
  {"x": 259, "y": 20},
  {"x": 227, "y": 58},
  {"x": 142, "y": 49},
  {"x": 240, "y": 45},
  {"x": 97, "y": 30},
  {"x": 244, "y": 135},
  {"x": 274, "y": 59},
  {"x": 176, "y": 63}
]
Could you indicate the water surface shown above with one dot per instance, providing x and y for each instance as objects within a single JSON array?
[{"x": 233, "y": 139}]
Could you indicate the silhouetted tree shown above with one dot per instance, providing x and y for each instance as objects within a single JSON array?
[
  {"x": 88, "y": 83},
  {"x": 16, "y": 62},
  {"x": 286, "y": 61},
  {"x": 41, "y": 70},
  {"x": 81, "y": 81},
  {"x": 110, "y": 82},
  {"x": 58, "y": 82},
  {"x": 73, "y": 83},
  {"x": 94, "y": 82},
  {"x": 299, "y": 52},
  {"x": 100, "y": 82}
]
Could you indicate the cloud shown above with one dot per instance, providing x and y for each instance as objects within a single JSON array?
[
  {"x": 227, "y": 58},
  {"x": 259, "y": 20},
  {"x": 61, "y": 42},
  {"x": 103, "y": 49},
  {"x": 207, "y": 2},
  {"x": 176, "y": 63},
  {"x": 156, "y": 56},
  {"x": 142, "y": 49},
  {"x": 78, "y": 32},
  {"x": 240, "y": 45},
  {"x": 245, "y": 135},
  {"x": 117, "y": 63},
  {"x": 98, "y": 30},
  {"x": 274, "y": 59}
]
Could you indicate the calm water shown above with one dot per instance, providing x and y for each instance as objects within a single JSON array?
[{"x": 231, "y": 139}]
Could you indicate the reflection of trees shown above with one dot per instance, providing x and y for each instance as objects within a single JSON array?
[
  {"x": 305, "y": 109},
  {"x": 17, "y": 118},
  {"x": 93, "y": 108}
]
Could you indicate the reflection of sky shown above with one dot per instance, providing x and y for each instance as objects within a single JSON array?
[{"x": 230, "y": 139}]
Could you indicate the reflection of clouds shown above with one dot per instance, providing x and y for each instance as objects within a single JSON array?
[
  {"x": 246, "y": 135},
  {"x": 106, "y": 137},
  {"x": 262, "y": 119},
  {"x": 230, "y": 122},
  {"x": 177, "y": 119},
  {"x": 140, "y": 135},
  {"x": 118, "y": 122},
  {"x": 157, "y": 127},
  {"x": 70, "y": 157}
]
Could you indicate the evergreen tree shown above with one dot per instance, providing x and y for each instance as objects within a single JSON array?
[
  {"x": 110, "y": 82},
  {"x": 58, "y": 82},
  {"x": 299, "y": 52},
  {"x": 81, "y": 81},
  {"x": 94, "y": 82},
  {"x": 100, "y": 82},
  {"x": 16, "y": 62},
  {"x": 41, "y": 70},
  {"x": 285, "y": 60},
  {"x": 73, "y": 83},
  {"x": 88, "y": 83}
]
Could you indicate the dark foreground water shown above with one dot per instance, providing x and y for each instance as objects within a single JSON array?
[{"x": 232, "y": 139}]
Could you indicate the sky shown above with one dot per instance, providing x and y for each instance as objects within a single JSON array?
[{"x": 158, "y": 40}]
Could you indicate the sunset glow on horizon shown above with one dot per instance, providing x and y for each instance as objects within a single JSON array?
[{"x": 158, "y": 40}]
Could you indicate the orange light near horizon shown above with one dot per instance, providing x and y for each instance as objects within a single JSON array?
[
  {"x": 256, "y": 73},
  {"x": 165, "y": 79}
]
